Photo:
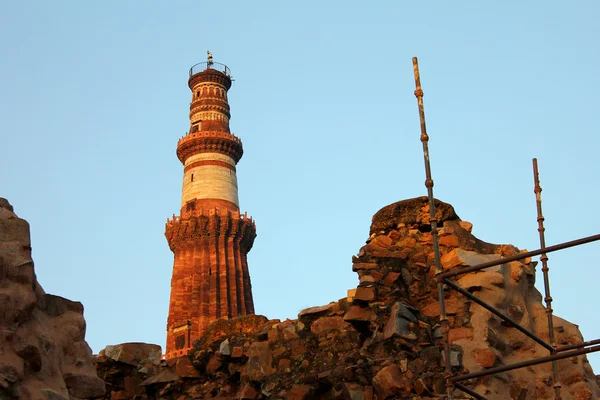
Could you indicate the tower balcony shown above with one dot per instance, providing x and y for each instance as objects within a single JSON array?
[
  {"x": 214, "y": 223},
  {"x": 203, "y": 66},
  {"x": 210, "y": 72},
  {"x": 210, "y": 141}
]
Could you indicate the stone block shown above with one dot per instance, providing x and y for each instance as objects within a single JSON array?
[{"x": 134, "y": 353}]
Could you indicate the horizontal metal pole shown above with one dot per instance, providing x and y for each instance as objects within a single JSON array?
[
  {"x": 498, "y": 313},
  {"x": 578, "y": 345},
  {"x": 535, "y": 361},
  {"x": 469, "y": 391},
  {"x": 519, "y": 256}
]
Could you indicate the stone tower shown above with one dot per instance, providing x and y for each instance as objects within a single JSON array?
[{"x": 210, "y": 239}]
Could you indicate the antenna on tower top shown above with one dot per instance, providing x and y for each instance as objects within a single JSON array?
[{"x": 210, "y": 59}]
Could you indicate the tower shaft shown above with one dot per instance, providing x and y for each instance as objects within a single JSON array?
[{"x": 210, "y": 239}]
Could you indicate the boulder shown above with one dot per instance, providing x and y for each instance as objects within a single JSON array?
[{"x": 134, "y": 353}]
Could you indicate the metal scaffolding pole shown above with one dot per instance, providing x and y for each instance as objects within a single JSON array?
[
  {"x": 535, "y": 361},
  {"x": 469, "y": 391},
  {"x": 520, "y": 256},
  {"x": 498, "y": 313},
  {"x": 544, "y": 259},
  {"x": 442, "y": 278},
  {"x": 434, "y": 229}
]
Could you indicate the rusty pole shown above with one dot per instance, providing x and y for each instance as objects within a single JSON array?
[
  {"x": 434, "y": 229},
  {"x": 528, "y": 363},
  {"x": 520, "y": 256},
  {"x": 578, "y": 345},
  {"x": 544, "y": 259},
  {"x": 473, "y": 393},
  {"x": 498, "y": 313}
]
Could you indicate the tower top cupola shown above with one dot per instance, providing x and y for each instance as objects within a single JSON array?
[
  {"x": 209, "y": 110},
  {"x": 210, "y": 70}
]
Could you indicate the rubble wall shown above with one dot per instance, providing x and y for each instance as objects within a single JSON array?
[{"x": 384, "y": 342}]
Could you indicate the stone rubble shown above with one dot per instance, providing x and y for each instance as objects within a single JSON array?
[
  {"x": 384, "y": 343},
  {"x": 43, "y": 354}
]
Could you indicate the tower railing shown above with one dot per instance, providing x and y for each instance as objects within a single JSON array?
[
  {"x": 209, "y": 134},
  {"x": 203, "y": 66}
]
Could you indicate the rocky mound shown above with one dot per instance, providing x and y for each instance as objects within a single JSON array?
[{"x": 43, "y": 354}]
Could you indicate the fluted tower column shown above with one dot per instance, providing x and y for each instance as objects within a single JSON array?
[{"x": 210, "y": 239}]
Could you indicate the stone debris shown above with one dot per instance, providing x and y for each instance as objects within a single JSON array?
[
  {"x": 43, "y": 353},
  {"x": 133, "y": 353},
  {"x": 384, "y": 341}
]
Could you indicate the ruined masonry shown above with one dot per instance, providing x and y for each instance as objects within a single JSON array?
[
  {"x": 210, "y": 239},
  {"x": 384, "y": 342}
]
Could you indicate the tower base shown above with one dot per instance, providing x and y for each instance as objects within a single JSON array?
[{"x": 210, "y": 273}]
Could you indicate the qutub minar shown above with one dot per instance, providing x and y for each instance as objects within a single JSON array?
[{"x": 210, "y": 239}]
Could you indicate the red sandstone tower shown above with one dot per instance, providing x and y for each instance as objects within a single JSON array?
[{"x": 210, "y": 239}]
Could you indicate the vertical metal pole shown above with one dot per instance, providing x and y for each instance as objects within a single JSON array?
[
  {"x": 544, "y": 259},
  {"x": 434, "y": 229}
]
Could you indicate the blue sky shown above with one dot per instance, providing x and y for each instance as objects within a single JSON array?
[{"x": 94, "y": 98}]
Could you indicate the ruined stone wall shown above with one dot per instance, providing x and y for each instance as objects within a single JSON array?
[{"x": 384, "y": 343}]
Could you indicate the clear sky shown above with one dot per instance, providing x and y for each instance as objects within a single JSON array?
[{"x": 94, "y": 97}]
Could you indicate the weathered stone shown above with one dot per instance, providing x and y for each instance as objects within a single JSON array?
[
  {"x": 455, "y": 358},
  {"x": 299, "y": 392},
  {"x": 457, "y": 334},
  {"x": 466, "y": 226},
  {"x": 43, "y": 354},
  {"x": 391, "y": 277},
  {"x": 289, "y": 332},
  {"x": 297, "y": 349},
  {"x": 55, "y": 306},
  {"x": 32, "y": 356},
  {"x": 325, "y": 324},
  {"x": 224, "y": 348},
  {"x": 448, "y": 241},
  {"x": 357, "y": 313},
  {"x": 421, "y": 388},
  {"x": 237, "y": 352},
  {"x": 134, "y": 353},
  {"x": 364, "y": 294},
  {"x": 364, "y": 266},
  {"x": 390, "y": 381},
  {"x": 52, "y": 395},
  {"x": 397, "y": 324},
  {"x": 411, "y": 212},
  {"x": 84, "y": 386},
  {"x": 383, "y": 241},
  {"x": 397, "y": 327},
  {"x": 404, "y": 312},
  {"x": 185, "y": 369},
  {"x": 259, "y": 361},
  {"x": 214, "y": 364},
  {"x": 478, "y": 280},
  {"x": 486, "y": 358},
  {"x": 367, "y": 279},
  {"x": 249, "y": 392},
  {"x": 315, "y": 310},
  {"x": 164, "y": 376},
  {"x": 461, "y": 257},
  {"x": 378, "y": 251},
  {"x": 433, "y": 309},
  {"x": 353, "y": 391},
  {"x": 284, "y": 365}
]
